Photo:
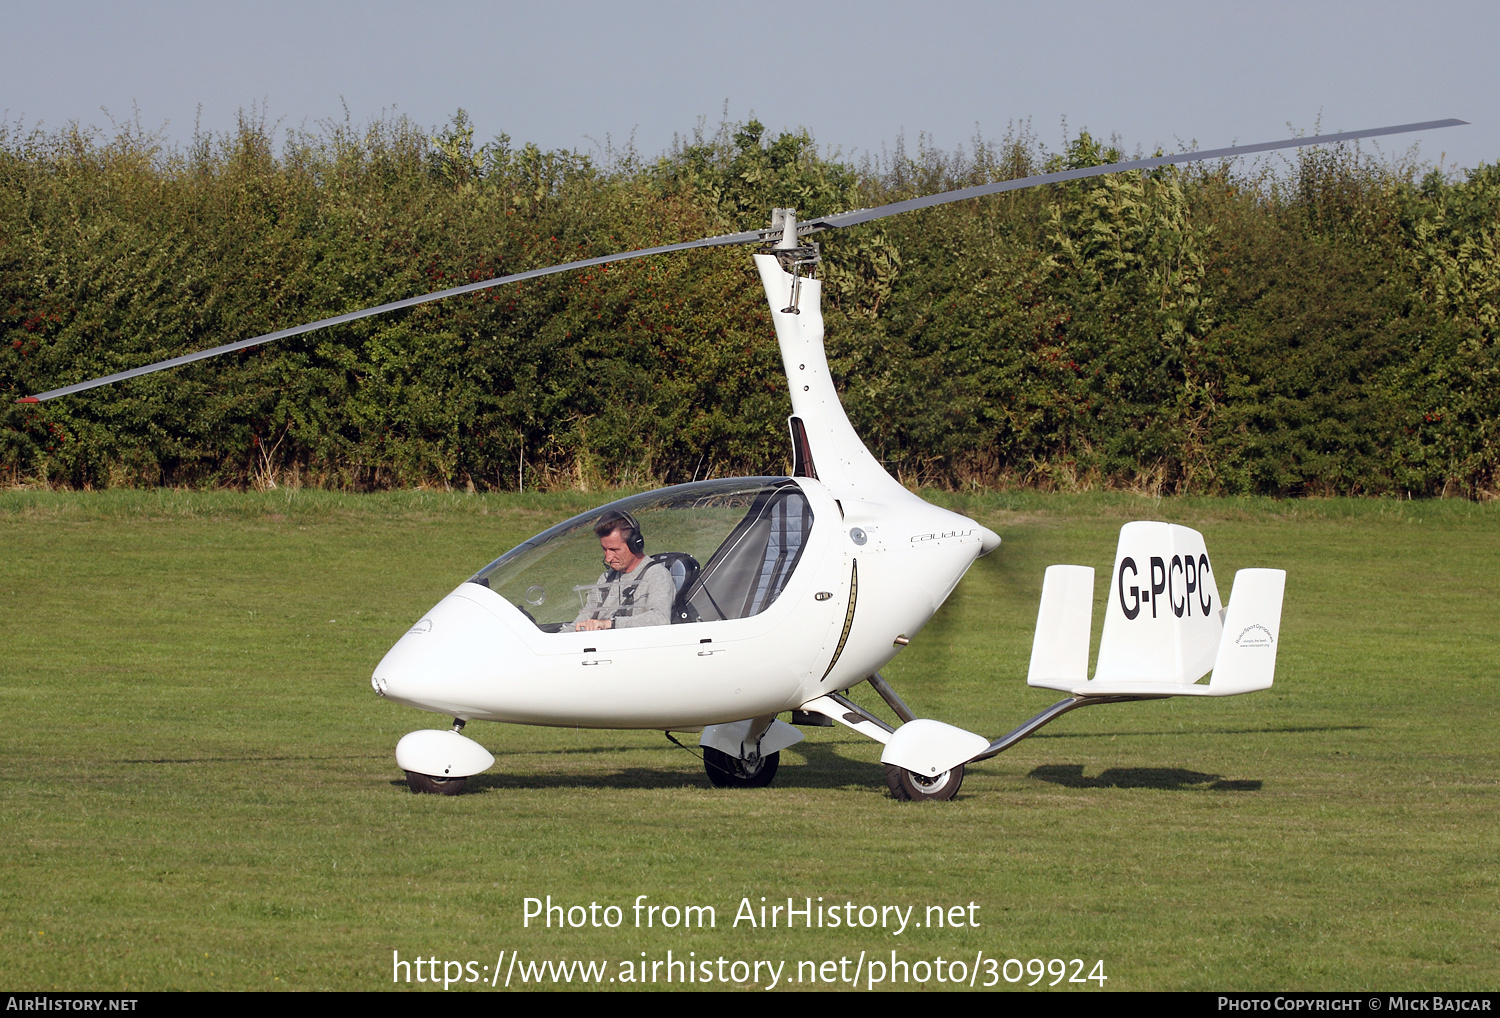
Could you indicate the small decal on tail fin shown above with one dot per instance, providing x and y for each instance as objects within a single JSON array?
[{"x": 1247, "y": 657}]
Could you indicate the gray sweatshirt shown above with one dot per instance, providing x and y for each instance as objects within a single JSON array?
[{"x": 642, "y": 597}]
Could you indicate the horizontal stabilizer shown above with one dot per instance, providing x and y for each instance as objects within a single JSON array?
[
  {"x": 1164, "y": 625},
  {"x": 1060, "y": 649}
]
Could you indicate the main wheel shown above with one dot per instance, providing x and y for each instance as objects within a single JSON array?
[
  {"x": 909, "y": 786},
  {"x": 725, "y": 771},
  {"x": 433, "y": 784}
]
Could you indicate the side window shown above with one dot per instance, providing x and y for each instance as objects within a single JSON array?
[
  {"x": 729, "y": 546},
  {"x": 750, "y": 569}
]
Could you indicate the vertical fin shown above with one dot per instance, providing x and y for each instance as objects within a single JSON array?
[
  {"x": 1252, "y": 632},
  {"x": 1060, "y": 649},
  {"x": 1161, "y": 620}
]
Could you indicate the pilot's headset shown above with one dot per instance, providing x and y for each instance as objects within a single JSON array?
[{"x": 637, "y": 540}]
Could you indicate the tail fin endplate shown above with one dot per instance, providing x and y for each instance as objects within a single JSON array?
[{"x": 1060, "y": 650}]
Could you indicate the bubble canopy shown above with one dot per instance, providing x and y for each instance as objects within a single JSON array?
[{"x": 730, "y": 545}]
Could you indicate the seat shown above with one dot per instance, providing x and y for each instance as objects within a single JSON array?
[
  {"x": 684, "y": 570},
  {"x": 750, "y": 569}
]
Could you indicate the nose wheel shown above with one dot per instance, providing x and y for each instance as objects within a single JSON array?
[
  {"x": 432, "y": 784},
  {"x": 909, "y": 786},
  {"x": 725, "y": 771}
]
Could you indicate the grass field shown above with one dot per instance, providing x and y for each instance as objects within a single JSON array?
[{"x": 198, "y": 788}]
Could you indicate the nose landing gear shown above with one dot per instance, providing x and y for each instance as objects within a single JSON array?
[
  {"x": 437, "y": 762},
  {"x": 432, "y": 784}
]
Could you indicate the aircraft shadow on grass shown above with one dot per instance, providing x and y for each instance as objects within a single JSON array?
[
  {"x": 251, "y": 759},
  {"x": 625, "y": 777},
  {"x": 1284, "y": 730},
  {"x": 1171, "y": 778},
  {"x": 825, "y": 767}
]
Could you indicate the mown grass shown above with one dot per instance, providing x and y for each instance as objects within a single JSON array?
[{"x": 197, "y": 786}]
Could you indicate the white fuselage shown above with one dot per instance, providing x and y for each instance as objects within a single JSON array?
[{"x": 877, "y": 563}]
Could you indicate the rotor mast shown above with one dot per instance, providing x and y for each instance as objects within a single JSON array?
[{"x": 825, "y": 445}]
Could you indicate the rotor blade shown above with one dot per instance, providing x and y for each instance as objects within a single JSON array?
[
  {"x": 895, "y": 208},
  {"x": 749, "y": 237},
  {"x": 838, "y": 221}
]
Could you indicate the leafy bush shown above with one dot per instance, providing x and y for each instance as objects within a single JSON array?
[{"x": 1329, "y": 328}]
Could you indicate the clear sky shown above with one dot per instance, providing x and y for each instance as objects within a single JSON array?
[{"x": 571, "y": 74}]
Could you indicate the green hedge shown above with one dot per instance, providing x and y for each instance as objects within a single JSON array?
[{"x": 1324, "y": 325}]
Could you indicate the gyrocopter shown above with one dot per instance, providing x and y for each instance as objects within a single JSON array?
[{"x": 726, "y": 603}]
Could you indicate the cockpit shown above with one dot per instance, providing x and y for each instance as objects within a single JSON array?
[{"x": 730, "y": 546}]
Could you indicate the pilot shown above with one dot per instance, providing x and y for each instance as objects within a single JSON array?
[{"x": 634, "y": 591}]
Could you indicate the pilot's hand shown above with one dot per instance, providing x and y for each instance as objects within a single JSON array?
[{"x": 589, "y": 625}]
